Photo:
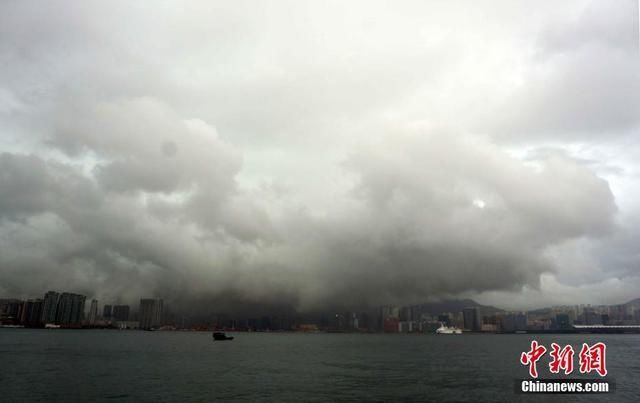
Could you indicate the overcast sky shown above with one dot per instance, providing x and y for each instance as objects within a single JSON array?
[{"x": 321, "y": 153}]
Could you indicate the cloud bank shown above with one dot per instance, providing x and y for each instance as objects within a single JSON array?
[{"x": 287, "y": 155}]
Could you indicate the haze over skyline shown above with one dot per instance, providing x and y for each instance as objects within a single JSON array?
[{"x": 313, "y": 154}]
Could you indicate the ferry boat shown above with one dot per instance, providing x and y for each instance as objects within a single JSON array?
[
  {"x": 221, "y": 336},
  {"x": 448, "y": 330}
]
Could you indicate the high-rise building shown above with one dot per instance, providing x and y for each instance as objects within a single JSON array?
[
  {"x": 471, "y": 319},
  {"x": 106, "y": 312},
  {"x": 591, "y": 317},
  {"x": 618, "y": 313},
  {"x": 11, "y": 311},
  {"x": 25, "y": 311},
  {"x": 150, "y": 313},
  {"x": 31, "y": 313},
  {"x": 49, "y": 307},
  {"x": 70, "y": 309},
  {"x": 562, "y": 321},
  {"x": 391, "y": 325},
  {"x": 121, "y": 313},
  {"x": 512, "y": 322},
  {"x": 521, "y": 321},
  {"x": 387, "y": 312},
  {"x": 93, "y": 312}
]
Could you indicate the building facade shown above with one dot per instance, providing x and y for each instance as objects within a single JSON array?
[
  {"x": 93, "y": 312},
  {"x": 70, "y": 312},
  {"x": 150, "y": 313},
  {"x": 121, "y": 313},
  {"x": 49, "y": 307}
]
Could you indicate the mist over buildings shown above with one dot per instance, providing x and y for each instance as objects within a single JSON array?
[{"x": 303, "y": 155}]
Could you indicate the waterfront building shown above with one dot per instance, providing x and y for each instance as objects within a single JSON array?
[
  {"x": 388, "y": 312},
  {"x": 106, "y": 312},
  {"x": 49, "y": 307},
  {"x": 70, "y": 310},
  {"x": 391, "y": 325},
  {"x": 150, "y": 313},
  {"x": 31, "y": 313},
  {"x": 10, "y": 311},
  {"x": 471, "y": 319},
  {"x": 93, "y": 312},
  {"x": 121, "y": 313}
]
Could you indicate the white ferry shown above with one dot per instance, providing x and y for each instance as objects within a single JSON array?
[{"x": 448, "y": 330}]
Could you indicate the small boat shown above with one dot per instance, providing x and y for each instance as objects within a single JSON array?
[
  {"x": 221, "y": 336},
  {"x": 448, "y": 330}
]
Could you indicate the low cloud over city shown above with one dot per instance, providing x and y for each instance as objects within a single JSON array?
[{"x": 321, "y": 154}]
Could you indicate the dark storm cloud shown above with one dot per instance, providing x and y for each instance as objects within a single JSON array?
[
  {"x": 31, "y": 186},
  {"x": 440, "y": 216},
  {"x": 408, "y": 229},
  {"x": 212, "y": 156}
]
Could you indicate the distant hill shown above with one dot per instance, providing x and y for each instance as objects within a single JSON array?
[
  {"x": 634, "y": 302},
  {"x": 456, "y": 305}
]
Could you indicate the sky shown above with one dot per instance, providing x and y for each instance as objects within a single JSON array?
[{"x": 321, "y": 154}]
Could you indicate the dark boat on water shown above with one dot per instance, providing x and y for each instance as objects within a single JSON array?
[{"x": 221, "y": 336}]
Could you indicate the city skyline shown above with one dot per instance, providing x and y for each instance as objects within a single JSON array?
[
  {"x": 67, "y": 310},
  {"x": 111, "y": 306}
]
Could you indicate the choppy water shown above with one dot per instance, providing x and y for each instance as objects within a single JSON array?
[{"x": 108, "y": 365}]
